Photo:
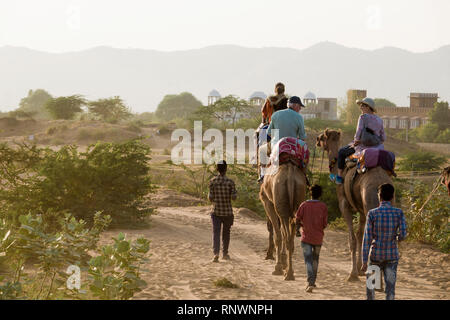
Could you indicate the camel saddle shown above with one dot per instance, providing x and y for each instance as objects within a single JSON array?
[
  {"x": 288, "y": 150},
  {"x": 372, "y": 158}
]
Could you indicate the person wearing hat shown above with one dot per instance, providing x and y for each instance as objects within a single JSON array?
[
  {"x": 221, "y": 191},
  {"x": 289, "y": 122},
  {"x": 368, "y": 121}
]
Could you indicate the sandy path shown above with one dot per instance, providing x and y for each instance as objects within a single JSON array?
[{"x": 180, "y": 264}]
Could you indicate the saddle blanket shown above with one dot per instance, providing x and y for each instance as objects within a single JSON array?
[
  {"x": 371, "y": 158},
  {"x": 288, "y": 149}
]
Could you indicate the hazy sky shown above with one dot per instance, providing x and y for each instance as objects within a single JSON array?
[{"x": 67, "y": 25}]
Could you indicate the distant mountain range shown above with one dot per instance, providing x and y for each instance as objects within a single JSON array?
[{"x": 143, "y": 77}]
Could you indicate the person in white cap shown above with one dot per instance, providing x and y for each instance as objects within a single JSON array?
[{"x": 369, "y": 134}]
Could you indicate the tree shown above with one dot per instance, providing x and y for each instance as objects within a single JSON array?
[
  {"x": 440, "y": 115},
  {"x": 33, "y": 104},
  {"x": 226, "y": 109},
  {"x": 65, "y": 107},
  {"x": 421, "y": 161},
  {"x": 111, "y": 109},
  {"x": 381, "y": 102},
  {"x": 443, "y": 137},
  {"x": 426, "y": 133},
  {"x": 177, "y": 106}
]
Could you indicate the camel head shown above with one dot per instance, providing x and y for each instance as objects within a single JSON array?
[
  {"x": 446, "y": 179},
  {"x": 329, "y": 141}
]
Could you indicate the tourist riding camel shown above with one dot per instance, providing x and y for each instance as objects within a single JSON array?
[
  {"x": 358, "y": 193},
  {"x": 283, "y": 190},
  {"x": 369, "y": 134},
  {"x": 272, "y": 104},
  {"x": 284, "y": 123}
]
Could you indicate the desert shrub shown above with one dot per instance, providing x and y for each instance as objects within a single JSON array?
[
  {"x": 134, "y": 126},
  {"x": 113, "y": 270},
  {"x": 54, "y": 129},
  {"x": 225, "y": 283},
  {"x": 338, "y": 224},
  {"x": 431, "y": 224},
  {"x": 317, "y": 124},
  {"x": 163, "y": 129},
  {"x": 109, "y": 177},
  {"x": 36, "y": 241},
  {"x": 421, "y": 161},
  {"x": 443, "y": 137},
  {"x": 247, "y": 187},
  {"x": 329, "y": 195},
  {"x": 115, "y": 274},
  {"x": 51, "y": 130}
]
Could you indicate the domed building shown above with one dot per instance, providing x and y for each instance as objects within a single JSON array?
[
  {"x": 321, "y": 108},
  {"x": 213, "y": 97},
  {"x": 309, "y": 98},
  {"x": 257, "y": 98}
]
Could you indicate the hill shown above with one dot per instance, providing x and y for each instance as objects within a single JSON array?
[{"x": 143, "y": 77}]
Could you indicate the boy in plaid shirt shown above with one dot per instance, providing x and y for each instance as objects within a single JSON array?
[
  {"x": 221, "y": 191},
  {"x": 384, "y": 228}
]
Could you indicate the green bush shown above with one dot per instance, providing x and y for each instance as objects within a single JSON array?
[
  {"x": 329, "y": 195},
  {"x": 113, "y": 270},
  {"x": 431, "y": 225},
  {"x": 421, "y": 161},
  {"x": 115, "y": 274},
  {"x": 317, "y": 124},
  {"x": 51, "y": 242},
  {"x": 109, "y": 177}
]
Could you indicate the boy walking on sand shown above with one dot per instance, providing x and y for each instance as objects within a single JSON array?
[
  {"x": 385, "y": 226},
  {"x": 312, "y": 217},
  {"x": 221, "y": 191}
]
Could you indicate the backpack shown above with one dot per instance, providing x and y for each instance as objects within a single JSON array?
[{"x": 368, "y": 137}]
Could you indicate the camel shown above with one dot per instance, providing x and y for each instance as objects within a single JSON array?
[
  {"x": 446, "y": 178},
  {"x": 281, "y": 195},
  {"x": 359, "y": 195}
]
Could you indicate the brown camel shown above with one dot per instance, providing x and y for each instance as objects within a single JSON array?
[
  {"x": 354, "y": 195},
  {"x": 446, "y": 179},
  {"x": 281, "y": 195}
]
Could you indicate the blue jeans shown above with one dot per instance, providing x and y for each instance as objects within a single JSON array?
[
  {"x": 311, "y": 254},
  {"x": 217, "y": 223},
  {"x": 389, "y": 270}
]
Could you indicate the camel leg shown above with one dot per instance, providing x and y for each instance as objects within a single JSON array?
[
  {"x": 284, "y": 256},
  {"x": 288, "y": 225},
  {"x": 347, "y": 214},
  {"x": 269, "y": 255},
  {"x": 273, "y": 217},
  {"x": 359, "y": 239}
]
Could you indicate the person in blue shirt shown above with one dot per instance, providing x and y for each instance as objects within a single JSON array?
[
  {"x": 289, "y": 122},
  {"x": 385, "y": 227}
]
